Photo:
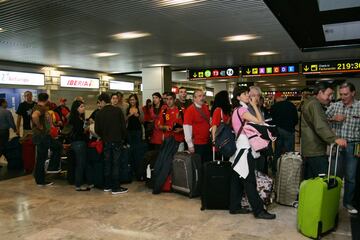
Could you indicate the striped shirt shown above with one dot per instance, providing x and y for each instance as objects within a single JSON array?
[{"x": 350, "y": 127}]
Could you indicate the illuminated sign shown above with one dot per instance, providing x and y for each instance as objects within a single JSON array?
[
  {"x": 124, "y": 86},
  {"x": 270, "y": 70},
  {"x": 22, "y": 78},
  {"x": 214, "y": 73},
  {"x": 328, "y": 67},
  {"x": 79, "y": 82}
]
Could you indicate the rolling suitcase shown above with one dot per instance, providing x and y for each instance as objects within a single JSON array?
[
  {"x": 13, "y": 154},
  {"x": 149, "y": 163},
  {"x": 288, "y": 178},
  {"x": 319, "y": 202},
  {"x": 125, "y": 171},
  {"x": 186, "y": 174},
  {"x": 215, "y": 188},
  {"x": 28, "y": 155}
]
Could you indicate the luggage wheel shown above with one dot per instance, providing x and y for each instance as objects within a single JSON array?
[{"x": 319, "y": 231}]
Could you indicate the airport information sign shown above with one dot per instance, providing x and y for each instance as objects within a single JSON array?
[
  {"x": 329, "y": 67},
  {"x": 270, "y": 70},
  {"x": 124, "y": 86},
  {"x": 79, "y": 82},
  {"x": 21, "y": 78},
  {"x": 214, "y": 73}
]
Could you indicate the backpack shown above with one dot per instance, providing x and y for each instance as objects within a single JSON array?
[
  {"x": 259, "y": 136},
  {"x": 225, "y": 139}
]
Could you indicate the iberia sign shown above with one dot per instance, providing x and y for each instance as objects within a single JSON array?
[{"x": 79, "y": 82}]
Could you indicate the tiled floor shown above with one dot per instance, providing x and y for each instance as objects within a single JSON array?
[{"x": 58, "y": 212}]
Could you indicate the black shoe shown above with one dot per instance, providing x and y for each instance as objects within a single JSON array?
[
  {"x": 45, "y": 184},
  {"x": 82, "y": 189},
  {"x": 265, "y": 215},
  {"x": 240, "y": 211},
  {"x": 120, "y": 190}
]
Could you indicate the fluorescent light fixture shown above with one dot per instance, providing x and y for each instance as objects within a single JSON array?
[
  {"x": 178, "y": 2},
  {"x": 294, "y": 83},
  {"x": 326, "y": 5},
  {"x": 243, "y": 37},
  {"x": 64, "y": 66},
  {"x": 184, "y": 71},
  {"x": 131, "y": 35},
  {"x": 190, "y": 91},
  {"x": 141, "y": 87},
  {"x": 21, "y": 78},
  {"x": 190, "y": 54},
  {"x": 104, "y": 54},
  {"x": 264, "y": 53},
  {"x": 160, "y": 65},
  {"x": 124, "y": 86},
  {"x": 209, "y": 93},
  {"x": 292, "y": 80},
  {"x": 261, "y": 81},
  {"x": 222, "y": 80},
  {"x": 114, "y": 72},
  {"x": 342, "y": 31},
  {"x": 2, "y": 30},
  {"x": 325, "y": 79}
]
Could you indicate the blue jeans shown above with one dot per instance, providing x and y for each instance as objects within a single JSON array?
[
  {"x": 112, "y": 157},
  {"x": 79, "y": 148},
  {"x": 43, "y": 142},
  {"x": 285, "y": 142},
  {"x": 347, "y": 167}
]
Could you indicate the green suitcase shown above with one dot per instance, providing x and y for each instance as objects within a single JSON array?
[{"x": 319, "y": 203}]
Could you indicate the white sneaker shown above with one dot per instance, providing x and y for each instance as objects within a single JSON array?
[{"x": 351, "y": 209}]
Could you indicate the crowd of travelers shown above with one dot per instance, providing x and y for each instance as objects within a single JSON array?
[{"x": 117, "y": 124}]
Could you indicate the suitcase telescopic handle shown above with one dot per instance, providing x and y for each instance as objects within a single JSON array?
[{"x": 330, "y": 159}]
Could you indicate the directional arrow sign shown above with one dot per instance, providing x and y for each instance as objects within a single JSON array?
[{"x": 306, "y": 68}]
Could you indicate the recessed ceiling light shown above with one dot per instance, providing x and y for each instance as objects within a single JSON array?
[
  {"x": 114, "y": 72},
  {"x": 261, "y": 81},
  {"x": 190, "y": 54},
  {"x": 64, "y": 66},
  {"x": 160, "y": 65},
  {"x": 178, "y": 2},
  {"x": 292, "y": 80},
  {"x": 243, "y": 37},
  {"x": 104, "y": 54},
  {"x": 131, "y": 35},
  {"x": 294, "y": 83},
  {"x": 264, "y": 53},
  {"x": 184, "y": 71},
  {"x": 2, "y": 30}
]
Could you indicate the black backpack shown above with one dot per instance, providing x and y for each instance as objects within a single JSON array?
[{"x": 225, "y": 139}]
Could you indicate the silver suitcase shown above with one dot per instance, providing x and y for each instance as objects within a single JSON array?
[
  {"x": 288, "y": 178},
  {"x": 186, "y": 174}
]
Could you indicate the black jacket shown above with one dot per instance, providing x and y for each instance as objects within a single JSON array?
[{"x": 110, "y": 124}]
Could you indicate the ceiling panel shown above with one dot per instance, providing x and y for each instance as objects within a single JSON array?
[{"x": 55, "y": 32}]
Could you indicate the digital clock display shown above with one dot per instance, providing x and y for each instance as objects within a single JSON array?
[{"x": 328, "y": 67}]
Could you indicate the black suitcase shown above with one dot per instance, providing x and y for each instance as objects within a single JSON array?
[
  {"x": 215, "y": 191},
  {"x": 97, "y": 167},
  {"x": 125, "y": 174},
  {"x": 186, "y": 174},
  {"x": 13, "y": 154}
]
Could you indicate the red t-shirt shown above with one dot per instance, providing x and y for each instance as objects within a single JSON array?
[
  {"x": 200, "y": 126},
  {"x": 216, "y": 118},
  {"x": 172, "y": 116},
  {"x": 157, "y": 136},
  {"x": 147, "y": 114}
]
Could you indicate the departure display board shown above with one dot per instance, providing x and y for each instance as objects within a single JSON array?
[
  {"x": 270, "y": 70},
  {"x": 328, "y": 67},
  {"x": 214, "y": 73}
]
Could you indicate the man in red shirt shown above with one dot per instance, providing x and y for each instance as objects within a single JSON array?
[
  {"x": 197, "y": 125},
  {"x": 171, "y": 119}
]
